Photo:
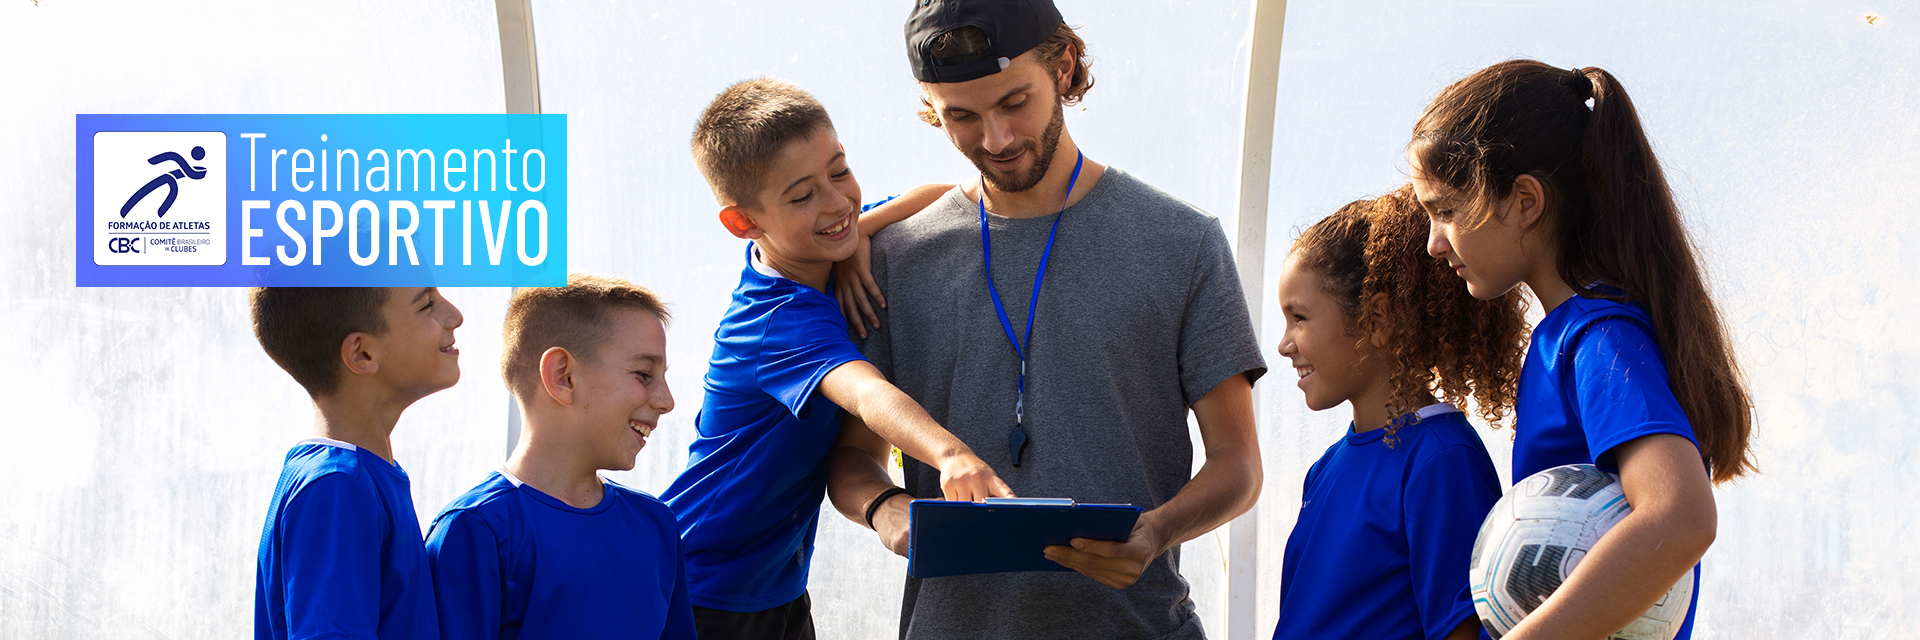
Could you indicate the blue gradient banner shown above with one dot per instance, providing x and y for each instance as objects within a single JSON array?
[{"x": 321, "y": 200}]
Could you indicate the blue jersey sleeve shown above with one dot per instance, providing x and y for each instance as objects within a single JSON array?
[
  {"x": 465, "y": 554},
  {"x": 680, "y": 604},
  {"x": 1447, "y": 498},
  {"x": 331, "y": 559},
  {"x": 805, "y": 339},
  {"x": 1620, "y": 389}
]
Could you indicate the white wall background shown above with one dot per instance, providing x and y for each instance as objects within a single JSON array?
[{"x": 146, "y": 428}]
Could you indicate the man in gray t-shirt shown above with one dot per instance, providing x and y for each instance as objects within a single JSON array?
[{"x": 1140, "y": 318}]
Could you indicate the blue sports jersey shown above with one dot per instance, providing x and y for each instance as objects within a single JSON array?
[
  {"x": 341, "y": 555},
  {"x": 1385, "y": 534},
  {"x": 1594, "y": 379},
  {"x": 510, "y": 561},
  {"x": 749, "y": 500}
]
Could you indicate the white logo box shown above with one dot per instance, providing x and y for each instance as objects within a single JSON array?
[{"x": 193, "y": 230}]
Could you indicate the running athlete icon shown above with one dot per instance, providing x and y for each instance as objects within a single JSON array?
[{"x": 170, "y": 179}]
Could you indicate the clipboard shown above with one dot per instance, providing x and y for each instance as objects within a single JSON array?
[{"x": 1005, "y": 534}]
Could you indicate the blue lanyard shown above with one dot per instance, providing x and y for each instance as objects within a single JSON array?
[{"x": 1017, "y": 439}]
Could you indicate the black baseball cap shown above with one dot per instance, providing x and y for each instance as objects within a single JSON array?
[{"x": 1012, "y": 26}]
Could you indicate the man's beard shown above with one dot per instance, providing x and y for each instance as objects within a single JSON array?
[{"x": 1014, "y": 183}]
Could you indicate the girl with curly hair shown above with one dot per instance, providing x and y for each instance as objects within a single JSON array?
[
  {"x": 1387, "y": 522},
  {"x": 1540, "y": 175}
]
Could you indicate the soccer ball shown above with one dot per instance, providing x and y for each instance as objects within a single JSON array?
[{"x": 1537, "y": 534}]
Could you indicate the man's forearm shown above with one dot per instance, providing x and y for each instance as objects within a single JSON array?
[
  {"x": 1224, "y": 488},
  {"x": 854, "y": 479},
  {"x": 1229, "y": 483},
  {"x": 857, "y": 474}
]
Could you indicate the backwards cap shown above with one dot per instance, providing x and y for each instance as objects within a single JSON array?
[{"x": 1012, "y": 26}]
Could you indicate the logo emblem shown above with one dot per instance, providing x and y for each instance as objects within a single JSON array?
[
  {"x": 160, "y": 197},
  {"x": 170, "y": 180}
]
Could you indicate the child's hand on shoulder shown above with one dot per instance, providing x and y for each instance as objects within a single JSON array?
[
  {"x": 853, "y": 282},
  {"x": 853, "y": 285}
]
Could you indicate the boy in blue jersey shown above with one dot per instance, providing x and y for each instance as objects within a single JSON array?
[
  {"x": 783, "y": 368},
  {"x": 341, "y": 554},
  {"x": 545, "y": 547}
]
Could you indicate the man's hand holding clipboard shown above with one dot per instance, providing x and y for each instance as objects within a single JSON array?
[
  {"x": 1015, "y": 534},
  {"x": 1115, "y": 564}
]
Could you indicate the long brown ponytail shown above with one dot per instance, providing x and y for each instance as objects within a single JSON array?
[{"x": 1611, "y": 210}]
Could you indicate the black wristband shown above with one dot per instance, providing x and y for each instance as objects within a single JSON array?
[{"x": 884, "y": 495}]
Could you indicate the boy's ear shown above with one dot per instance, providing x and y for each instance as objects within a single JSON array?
[
  {"x": 557, "y": 367},
  {"x": 356, "y": 352},
  {"x": 1375, "y": 321},
  {"x": 736, "y": 221}
]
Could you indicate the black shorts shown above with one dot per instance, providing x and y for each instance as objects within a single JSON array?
[{"x": 790, "y": 621}]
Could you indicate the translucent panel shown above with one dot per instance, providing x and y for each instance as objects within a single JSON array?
[
  {"x": 633, "y": 77},
  {"x": 145, "y": 427},
  {"x": 1789, "y": 134}
]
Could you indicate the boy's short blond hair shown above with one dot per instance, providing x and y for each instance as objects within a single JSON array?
[
  {"x": 573, "y": 317},
  {"x": 744, "y": 127}
]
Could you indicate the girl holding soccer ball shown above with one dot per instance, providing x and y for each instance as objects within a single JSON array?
[{"x": 1537, "y": 175}]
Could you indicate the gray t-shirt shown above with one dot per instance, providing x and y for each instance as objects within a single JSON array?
[{"x": 1140, "y": 315}]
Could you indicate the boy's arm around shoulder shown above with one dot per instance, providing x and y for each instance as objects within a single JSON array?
[
  {"x": 330, "y": 535},
  {"x": 464, "y": 551},
  {"x": 859, "y": 388},
  {"x": 900, "y": 208},
  {"x": 853, "y": 278}
]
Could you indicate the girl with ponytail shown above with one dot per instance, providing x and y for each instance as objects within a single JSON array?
[
  {"x": 1631, "y": 369},
  {"x": 1389, "y": 513}
]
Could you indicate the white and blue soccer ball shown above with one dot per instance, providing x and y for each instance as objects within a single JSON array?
[{"x": 1538, "y": 533}]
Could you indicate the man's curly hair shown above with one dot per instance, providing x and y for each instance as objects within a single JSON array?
[{"x": 1442, "y": 341}]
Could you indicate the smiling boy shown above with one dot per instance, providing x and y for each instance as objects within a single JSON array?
[
  {"x": 783, "y": 368},
  {"x": 341, "y": 554},
  {"x": 545, "y": 547}
]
